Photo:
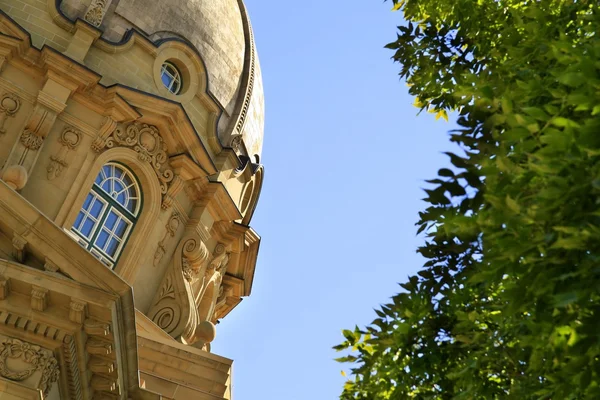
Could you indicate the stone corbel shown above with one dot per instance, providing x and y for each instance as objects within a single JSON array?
[
  {"x": 69, "y": 140},
  {"x": 19, "y": 243},
  {"x": 77, "y": 311},
  {"x": 4, "y": 287},
  {"x": 96, "y": 328},
  {"x": 174, "y": 308},
  {"x": 39, "y": 298},
  {"x": 107, "y": 128},
  {"x": 176, "y": 185}
]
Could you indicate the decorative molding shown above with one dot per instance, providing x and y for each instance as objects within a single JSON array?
[
  {"x": 77, "y": 311},
  {"x": 39, "y": 298},
  {"x": 71, "y": 362},
  {"x": 39, "y": 360},
  {"x": 95, "y": 12},
  {"x": 69, "y": 140},
  {"x": 146, "y": 141},
  {"x": 171, "y": 228},
  {"x": 9, "y": 106}
]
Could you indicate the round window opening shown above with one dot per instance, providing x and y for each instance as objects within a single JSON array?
[{"x": 171, "y": 77}]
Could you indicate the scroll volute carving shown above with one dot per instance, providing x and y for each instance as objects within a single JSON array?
[
  {"x": 208, "y": 288},
  {"x": 174, "y": 309}
]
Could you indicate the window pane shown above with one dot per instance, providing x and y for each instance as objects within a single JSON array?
[
  {"x": 96, "y": 208},
  {"x": 110, "y": 220},
  {"x": 78, "y": 220},
  {"x": 102, "y": 238},
  {"x": 166, "y": 79},
  {"x": 112, "y": 247},
  {"x": 87, "y": 201},
  {"x": 120, "y": 231},
  {"x": 86, "y": 230}
]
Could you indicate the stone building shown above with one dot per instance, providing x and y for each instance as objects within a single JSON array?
[{"x": 130, "y": 143}]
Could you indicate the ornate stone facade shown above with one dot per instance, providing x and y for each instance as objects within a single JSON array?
[{"x": 125, "y": 206}]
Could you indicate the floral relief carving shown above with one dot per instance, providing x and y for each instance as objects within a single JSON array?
[
  {"x": 9, "y": 105},
  {"x": 69, "y": 140},
  {"x": 95, "y": 12},
  {"x": 171, "y": 228},
  {"x": 39, "y": 360},
  {"x": 146, "y": 141},
  {"x": 30, "y": 140}
]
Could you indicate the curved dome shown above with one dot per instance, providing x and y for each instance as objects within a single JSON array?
[{"x": 221, "y": 32}]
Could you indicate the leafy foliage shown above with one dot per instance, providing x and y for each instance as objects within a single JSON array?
[{"x": 507, "y": 305}]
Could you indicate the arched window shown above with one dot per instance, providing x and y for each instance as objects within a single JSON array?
[{"x": 109, "y": 213}]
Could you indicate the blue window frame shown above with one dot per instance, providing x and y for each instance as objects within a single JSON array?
[{"x": 109, "y": 213}]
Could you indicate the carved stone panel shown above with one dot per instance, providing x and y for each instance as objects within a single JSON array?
[
  {"x": 24, "y": 362},
  {"x": 69, "y": 140},
  {"x": 9, "y": 106}
]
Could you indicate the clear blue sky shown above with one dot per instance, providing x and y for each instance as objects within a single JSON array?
[{"x": 345, "y": 160}]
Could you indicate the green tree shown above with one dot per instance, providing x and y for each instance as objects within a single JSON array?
[{"x": 507, "y": 304}]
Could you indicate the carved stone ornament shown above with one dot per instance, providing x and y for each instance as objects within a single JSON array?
[
  {"x": 146, "y": 141},
  {"x": 39, "y": 360},
  {"x": 174, "y": 308},
  {"x": 9, "y": 105},
  {"x": 219, "y": 262},
  {"x": 171, "y": 228},
  {"x": 31, "y": 141},
  {"x": 236, "y": 142},
  {"x": 95, "y": 12},
  {"x": 69, "y": 140}
]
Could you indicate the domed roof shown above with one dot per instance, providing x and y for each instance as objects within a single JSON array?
[{"x": 221, "y": 32}]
